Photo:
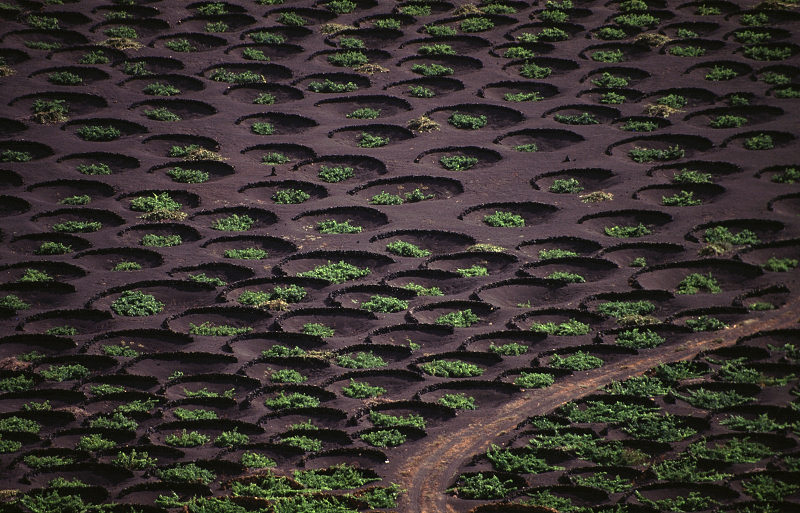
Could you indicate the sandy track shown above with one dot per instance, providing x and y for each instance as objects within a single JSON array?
[{"x": 434, "y": 464}]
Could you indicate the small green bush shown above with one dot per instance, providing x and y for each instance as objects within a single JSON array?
[
  {"x": 566, "y": 277},
  {"x": 364, "y": 113},
  {"x": 705, "y": 323},
  {"x": 504, "y": 220},
  {"x": 759, "y": 142},
  {"x": 636, "y": 20},
  {"x": 473, "y": 271},
  {"x": 608, "y": 80},
  {"x": 714, "y": 400},
  {"x": 534, "y": 380},
  {"x": 407, "y": 249},
  {"x": 264, "y": 99},
  {"x": 187, "y": 439},
  {"x": 440, "y": 30},
  {"x": 639, "y": 126},
  {"x": 696, "y": 282},
  {"x": 721, "y": 73},
  {"x": 98, "y": 133},
  {"x": 789, "y": 175},
  {"x": 337, "y": 272},
  {"x": 639, "y": 339},
  {"x": 384, "y": 304},
  {"x": 532, "y": 70},
  {"x": 244, "y": 77},
  {"x": 134, "y": 303},
  {"x": 358, "y": 390},
  {"x": 161, "y": 241},
  {"x": 548, "y": 254},
  {"x": 467, "y": 121},
  {"x": 479, "y": 486},
  {"x": 318, "y": 330},
  {"x": 610, "y": 33},
  {"x": 267, "y": 38},
  {"x": 367, "y": 140},
  {"x": 566, "y": 186},
  {"x": 360, "y": 360},
  {"x": 64, "y": 78},
  {"x": 292, "y": 400},
  {"x": 335, "y": 174},
  {"x": 612, "y": 98},
  {"x": 234, "y": 223},
  {"x": 584, "y": 118},
  {"x": 384, "y": 438},
  {"x": 476, "y": 24},
  {"x": 422, "y": 290},
  {"x": 458, "y": 319},
  {"x": 328, "y": 86},
  {"x": 290, "y": 196},
  {"x": 187, "y": 473},
  {"x": 208, "y": 329},
  {"x": 254, "y": 460},
  {"x": 432, "y": 70},
  {"x": 510, "y": 349},
  {"x": 625, "y": 232},
  {"x": 161, "y": 114},
  {"x": 420, "y": 92},
  {"x": 50, "y": 111},
  {"x": 727, "y": 121},
  {"x": 577, "y": 361},
  {"x": 458, "y": 162},
  {"x": 181, "y": 175},
  {"x": 681, "y": 199},
  {"x": 778, "y": 265},
  {"x": 246, "y": 254},
  {"x": 571, "y": 327},
  {"x": 642, "y": 155},
  {"x": 77, "y": 226},
  {"x": 349, "y": 59},
  {"x": 523, "y": 97},
  {"x": 291, "y": 19},
  {"x": 608, "y": 56},
  {"x": 254, "y": 54},
  {"x": 686, "y": 51},
  {"x": 180, "y": 45},
  {"x": 458, "y": 401}
]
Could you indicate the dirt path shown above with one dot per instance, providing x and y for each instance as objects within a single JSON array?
[{"x": 431, "y": 470}]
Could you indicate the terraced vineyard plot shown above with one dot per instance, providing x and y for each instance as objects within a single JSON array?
[{"x": 348, "y": 256}]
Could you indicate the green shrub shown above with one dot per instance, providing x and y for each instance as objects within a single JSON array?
[
  {"x": 637, "y": 20},
  {"x": 458, "y": 319},
  {"x": 639, "y": 386},
  {"x": 212, "y": 330},
  {"x": 367, "y": 140},
  {"x": 571, "y": 327},
  {"x": 788, "y": 175},
  {"x": 291, "y": 19},
  {"x": 384, "y": 438},
  {"x": 275, "y": 158},
  {"x": 120, "y": 350},
  {"x": 780, "y": 265},
  {"x": 233, "y": 223},
  {"x": 467, "y": 121},
  {"x": 566, "y": 186},
  {"x": 451, "y": 369},
  {"x": 35, "y": 276},
  {"x": 328, "y": 86},
  {"x": 292, "y": 400},
  {"x": 476, "y": 24},
  {"x": 16, "y": 383},
  {"x": 338, "y": 272},
  {"x": 181, "y": 175},
  {"x": 196, "y": 414},
  {"x": 350, "y": 59},
  {"x": 186, "y": 473},
  {"x": 351, "y": 43},
  {"x": 244, "y": 77},
  {"x": 608, "y": 56},
  {"x": 714, "y": 400},
  {"x": 420, "y": 92},
  {"x": 161, "y": 241},
  {"x": 458, "y": 162},
  {"x": 504, "y": 220},
  {"x": 658, "y": 428},
  {"x": 231, "y": 438},
  {"x": 423, "y": 291},
  {"x": 255, "y": 460},
  {"x": 609, "y": 80},
  {"x": 534, "y": 380},
  {"x": 518, "y": 52},
  {"x": 77, "y": 226},
  {"x": 720, "y": 73},
  {"x": 161, "y": 114},
  {"x": 83, "y": 199},
  {"x": 115, "y": 421},
  {"x": 566, "y": 277},
  {"x": 432, "y": 70},
  {"x": 187, "y": 439},
  {"x": 134, "y": 303},
  {"x": 379, "y": 419},
  {"x": 510, "y": 349},
  {"x": 696, "y": 282},
  {"x": 610, "y": 33},
  {"x": 106, "y": 389},
  {"x": 639, "y": 339},
  {"x": 765, "y": 53},
  {"x": 204, "y": 392},
  {"x": 180, "y": 45},
  {"x": 533, "y": 70},
  {"x": 98, "y": 133},
  {"x": 122, "y": 32},
  {"x": 364, "y": 113},
  {"x": 639, "y": 126},
  {"x": 407, "y": 249},
  {"x": 50, "y": 111},
  {"x": 416, "y": 10},
  {"x": 625, "y": 232},
  {"x": 317, "y": 330},
  {"x": 335, "y": 174},
  {"x": 458, "y": 401},
  {"x": 246, "y": 254},
  {"x": 358, "y": 390},
  {"x": 479, "y": 486},
  {"x": 578, "y": 361},
  {"x": 523, "y": 97},
  {"x": 473, "y": 271},
  {"x": 64, "y": 78},
  {"x": 705, "y": 323},
  {"x": 360, "y": 360},
  {"x": 686, "y": 51},
  {"x": 440, "y": 30},
  {"x": 681, "y": 199},
  {"x": 303, "y": 442},
  {"x": 262, "y": 128},
  {"x": 584, "y": 118},
  {"x": 156, "y": 202},
  {"x": 642, "y": 155},
  {"x": 787, "y": 92},
  {"x": 254, "y": 54},
  {"x": 759, "y": 142},
  {"x": 436, "y": 49},
  {"x": 765, "y": 488},
  {"x": 290, "y": 196},
  {"x": 733, "y": 450},
  {"x": 267, "y": 38},
  {"x": 383, "y": 304},
  {"x": 727, "y": 121},
  {"x": 612, "y": 98},
  {"x": 264, "y": 99}
]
